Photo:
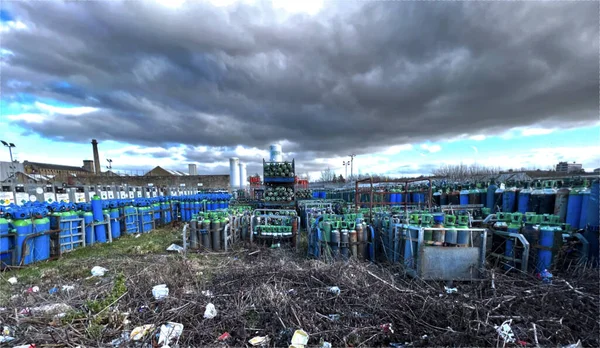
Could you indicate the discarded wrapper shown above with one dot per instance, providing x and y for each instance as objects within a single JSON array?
[
  {"x": 450, "y": 290},
  {"x": 169, "y": 332},
  {"x": 335, "y": 290},
  {"x": 67, "y": 287},
  {"x": 259, "y": 340},
  {"x": 224, "y": 336},
  {"x": 300, "y": 338},
  {"x": 505, "y": 332},
  {"x": 207, "y": 293},
  {"x": 175, "y": 247},
  {"x": 210, "y": 311},
  {"x": 387, "y": 328},
  {"x": 139, "y": 332},
  {"x": 160, "y": 291},
  {"x": 98, "y": 271},
  {"x": 5, "y": 336},
  {"x": 12, "y": 280}
]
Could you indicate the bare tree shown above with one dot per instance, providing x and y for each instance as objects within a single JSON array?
[
  {"x": 327, "y": 175},
  {"x": 459, "y": 172}
]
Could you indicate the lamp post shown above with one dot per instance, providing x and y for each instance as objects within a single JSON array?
[
  {"x": 346, "y": 164},
  {"x": 352, "y": 165},
  {"x": 109, "y": 166},
  {"x": 12, "y": 164}
]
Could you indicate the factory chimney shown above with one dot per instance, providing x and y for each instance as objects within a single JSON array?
[{"x": 96, "y": 157}]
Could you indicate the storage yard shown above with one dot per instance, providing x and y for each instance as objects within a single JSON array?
[{"x": 406, "y": 262}]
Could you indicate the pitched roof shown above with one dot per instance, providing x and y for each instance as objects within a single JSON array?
[{"x": 54, "y": 166}]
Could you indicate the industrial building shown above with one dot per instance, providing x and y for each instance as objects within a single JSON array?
[{"x": 565, "y": 167}]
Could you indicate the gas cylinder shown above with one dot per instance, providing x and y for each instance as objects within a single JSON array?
[
  {"x": 438, "y": 236},
  {"x": 535, "y": 198},
  {"x": 41, "y": 223},
  {"x": 562, "y": 200},
  {"x": 450, "y": 234},
  {"x": 215, "y": 228},
  {"x": 444, "y": 195},
  {"x": 482, "y": 193},
  {"x": 353, "y": 238},
  {"x": 454, "y": 195},
  {"x": 548, "y": 197},
  {"x": 99, "y": 230},
  {"x": 335, "y": 238},
  {"x": 509, "y": 198},
  {"x": 344, "y": 239},
  {"x": 360, "y": 238},
  {"x": 462, "y": 236},
  {"x": 574, "y": 204},
  {"x": 549, "y": 238},
  {"x": 6, "y": 243},
  {"x": 498, "y": 197},
  {"x": 411, "y": 241},
  {"x": 194, "y": 233},
  {"x": 501, "y": 224},
  {"x": 115, "y": 226},
  {"x": 491, "y": 190},
  {"x": 585, "y": 201},
  {"x": 514, "y": 226},
  {"x": 592, "y": 208},
  {"x": 22, "y": 224},
  {"x": 436, "y": 195},
  {"x": 463, "y": 195},
  {"x": 474, "y": 197},
  {"x": 205, "y": 234},
  {"x": 426, "y": 222}
]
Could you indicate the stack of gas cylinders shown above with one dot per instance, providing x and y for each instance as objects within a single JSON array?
[
  {"x": 193, "y": 204},
  {"x": 544, "y": 233},
  {"x": 575, "y": 202},
  {"x": 339, "y": 236},
  {"x": 36, "y": 230},
  {"x": 207, "y": 228}
]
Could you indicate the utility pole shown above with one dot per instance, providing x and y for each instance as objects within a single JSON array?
[
  {"x": 12, "y": 167},
  {"x": 346, "y": 164},
  {"x": 352, "y": 165}
]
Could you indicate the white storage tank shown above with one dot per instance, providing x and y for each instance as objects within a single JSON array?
[
  {"x": 234, "y": 172},
  {"x": 243, "y": 176},
  {"x": 276, "y": 154}
]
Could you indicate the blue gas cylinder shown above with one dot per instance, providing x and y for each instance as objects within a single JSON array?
[
  {"x": 523, "y": 206},
  {"x": 41, "y": 243},
  {"x": 490, "y": 204},
  {"x": 98, "y": 215},
  {"x": 23, "y": 228},
  {"x": 509, "y": 199},
  {"x": 546, "y": 239},
  {"x": 574, "y": 207},
  {"x": 115, "y": 226},
  {"x": 6, "y": 244},
  {"x": 464, "y": 196},
  {"x": 585, "y": 201},
  {"x": 592, "y": 219}
]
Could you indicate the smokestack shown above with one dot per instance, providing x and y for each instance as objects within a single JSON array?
[
  {"x": 96, "y": 157},
  {"x": 192, "y": 168}
]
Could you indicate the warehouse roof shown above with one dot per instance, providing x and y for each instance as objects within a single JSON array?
[{"x": 38, "y": 165}]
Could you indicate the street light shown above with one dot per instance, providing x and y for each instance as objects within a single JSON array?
[
  {"x": 10, "y": 146},
  {"x": 109, "y": 166},
  {"x": 12, "y": 164},
  {"x": 352, "y": 165},
  {"x": 346, "y": 164}
]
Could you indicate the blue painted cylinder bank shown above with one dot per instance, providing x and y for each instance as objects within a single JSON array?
[
  {"x": 24, "y": 249},
  {"x": 592, "y": 218},
  {"x": 585, "y": 201},
  {"x": 490, "y": 204},
  {"x": 98, "y": 215},
  {"x": 523, "y": 205}
]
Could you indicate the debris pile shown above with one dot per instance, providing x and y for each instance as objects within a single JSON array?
[{"x": 275, "y": 298}]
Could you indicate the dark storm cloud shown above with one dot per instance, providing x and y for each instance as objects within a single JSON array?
[{"x": 351, "y": 79}]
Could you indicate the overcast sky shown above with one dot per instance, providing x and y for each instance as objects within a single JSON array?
[{"x": 406, "y": 86}]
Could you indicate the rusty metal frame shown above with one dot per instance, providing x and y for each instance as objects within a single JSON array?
[{"x": 392, "y": 181}]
